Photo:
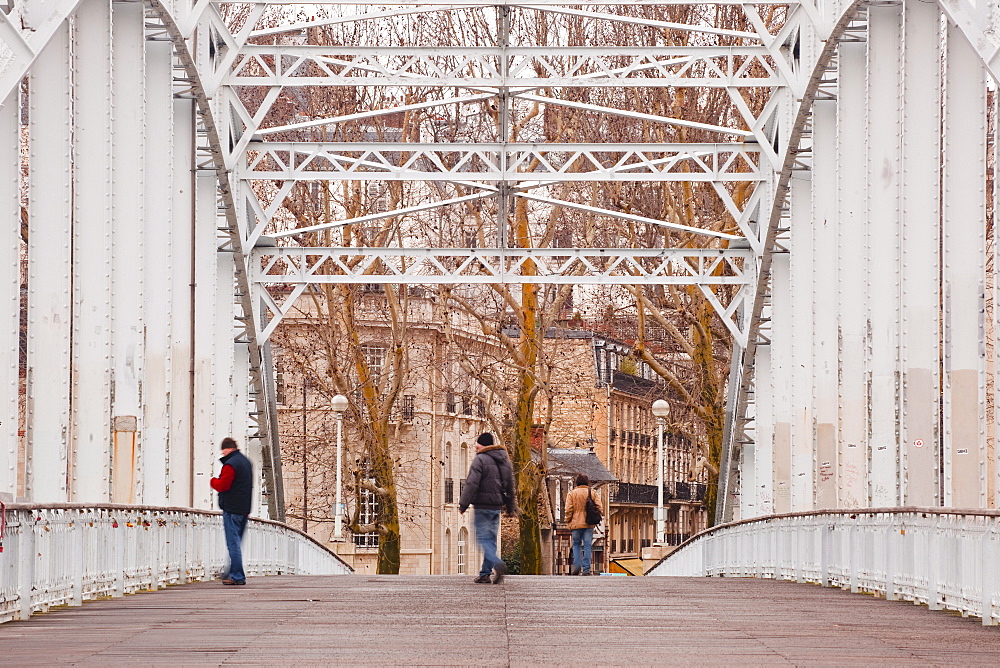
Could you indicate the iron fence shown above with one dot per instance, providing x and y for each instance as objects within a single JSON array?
[
  {"x": 70, "y": 553},
  {"x": 944, "y": 559}
]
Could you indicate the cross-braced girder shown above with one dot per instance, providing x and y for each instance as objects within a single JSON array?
[
  {"x": 505, "y": 78},
  {"x": 491, "y": 162}
]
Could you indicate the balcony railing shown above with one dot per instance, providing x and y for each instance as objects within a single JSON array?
[
  {"x": 69, "y": 553},
  {"x": 628, "y": 492}
]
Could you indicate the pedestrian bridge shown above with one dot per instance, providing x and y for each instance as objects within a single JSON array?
[
  {"x": 942, "y": 559},
  {"x": 850, "y": 254}
]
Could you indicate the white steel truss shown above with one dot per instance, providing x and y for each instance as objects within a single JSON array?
[
  {"x": 538, "y": 67},
  {"x": 361, "y": 161},
  {"x": 501, "y": 75},
  {"x": 854, "y": 378}
]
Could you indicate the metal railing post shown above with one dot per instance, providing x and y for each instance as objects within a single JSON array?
[
  {"x": 826, "y": 540},
  {"x": 988, "y": 566},
  {"x": 118, "y": 545},
  {"x": 156, "y": 547},
  {"x": 852, "y": 549},
  {"x": 26, "y": 563},
  {"x": 890, "y": 558},
  {"x": 78, "y": 559},
  {"x": 934, "y": 572}
]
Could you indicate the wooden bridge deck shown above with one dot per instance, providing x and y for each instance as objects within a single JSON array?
[{"x": 403, "y": 621}]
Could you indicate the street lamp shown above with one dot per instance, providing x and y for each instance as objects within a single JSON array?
[
  {"x": 660, "y": 411},
  {"x": 339, "y": 405},
  {"x": 306, "y": 384}
]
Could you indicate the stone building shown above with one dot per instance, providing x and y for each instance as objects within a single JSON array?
[
  {"x": 434, "y": 424},
  {"x": 597, "y": 408},
  {"x": 602, "y": 403}
]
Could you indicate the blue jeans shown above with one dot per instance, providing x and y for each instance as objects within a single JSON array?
[
  {"x": 583, "y": 539},
  {"x": 234, "y": 526},
  {"x": 487, "y": 523}
]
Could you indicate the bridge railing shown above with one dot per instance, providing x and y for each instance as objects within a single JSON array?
[
  {"x": 942, "y": 558},
  {"x": 69, "y": 553}
]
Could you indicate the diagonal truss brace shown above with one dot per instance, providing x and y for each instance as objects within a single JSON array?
[
  {"x": 359, "y": 161},
  {"x": 300, "y": 267}
]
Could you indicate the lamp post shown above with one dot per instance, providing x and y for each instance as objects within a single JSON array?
[
  {"x": 339, "y": 405},
  {"x": 306, "y": 384},
  {"x": 660, "y": 411}
]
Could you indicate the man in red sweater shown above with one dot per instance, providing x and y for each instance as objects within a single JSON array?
[{"x": 235, "y": 488}]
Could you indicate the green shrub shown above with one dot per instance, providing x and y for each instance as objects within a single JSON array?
[{"x": 511, "y": 554}]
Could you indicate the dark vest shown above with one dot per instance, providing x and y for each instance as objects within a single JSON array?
[{"x": 239, "y": 498}]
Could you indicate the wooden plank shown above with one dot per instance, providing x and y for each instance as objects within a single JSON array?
[{"x": 448, "y": 620}]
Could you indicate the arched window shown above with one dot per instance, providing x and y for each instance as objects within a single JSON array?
[
  {"x": 463, "y": 467},
  {"x": 449, "y": 482},
  {"x": 463, "y": 538},
  {"x": 446, "y": 566}
]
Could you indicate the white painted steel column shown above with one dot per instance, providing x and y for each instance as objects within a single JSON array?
[
  {"x": 823, "y": 460},
  {"x": 91, "y": 344},
  {"x": 49, "y": 272},
  {"x": 782, "y": 367},
  {"x": 851, "y": 434},
  {"x": 181, "y": 275},
  {"x": 10, "y": 290},
  {"x": 241, "y": 426},
  {"x": 749, "y": 483},
  {"x": 996, "y": 301},
  {"x": 792, "y": 303},
  {"x": 207, "y": 383},
  {"x": 128, "y": 247},
  {"x": 964, "y": 220},
  {"x": 920, "y": 321},
  {"x": 212, "y": 377},
  {"x": 793, "y": 445},
  {"x": 154, "y": 449},
  {"x": 230, "y": 418},
  {"x": 885, "y": 36}
]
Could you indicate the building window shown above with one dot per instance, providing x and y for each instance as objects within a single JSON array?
[
  {"x": 463, "y": 537},
  {"x": 449, "y": 404},
  {"x": 368, "y": 515},
  {"x": 408, "y": 407},
  {"x": 447, "y": 552},
  {"x": 463, "y": 467},
  {"x": 449, "y": 490},
  {"x": 375, "y": 359}
]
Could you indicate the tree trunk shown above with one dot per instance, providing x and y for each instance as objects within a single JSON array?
[
  {"x": 711, "y": 400},
  {"x": 526, "y": 470},
  {"x": 526, "y": 480}
]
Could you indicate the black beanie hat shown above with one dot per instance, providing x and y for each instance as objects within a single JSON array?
[{"x": 485, "y": 439}]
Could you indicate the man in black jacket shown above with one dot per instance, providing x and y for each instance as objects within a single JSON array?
[
  {"x": 490, "y": 488},
  {"x": 235, "y": 488}
]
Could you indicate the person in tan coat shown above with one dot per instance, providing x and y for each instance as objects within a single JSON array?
[{"x": 583, "y": 533}]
